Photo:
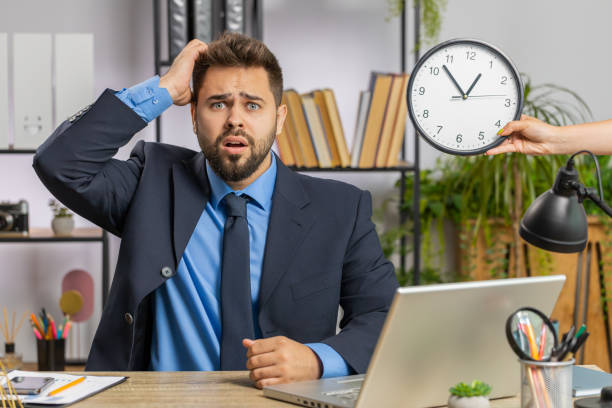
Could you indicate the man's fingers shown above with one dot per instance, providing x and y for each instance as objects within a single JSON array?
[
  {"x": 270, "y": 381},
  {"x": 264, "y": 346},
  {"x": 261, "y": 360},
  {"x": 265, "y": 372}
]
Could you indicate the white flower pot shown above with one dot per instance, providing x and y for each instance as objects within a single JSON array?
[
  {"x": 468, "y": 402},
  {"x": 62, "y": 226}
]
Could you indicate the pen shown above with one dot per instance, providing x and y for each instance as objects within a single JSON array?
[
  {"x": 66, "y": 328},
  {"x": 65, "y": 387}
]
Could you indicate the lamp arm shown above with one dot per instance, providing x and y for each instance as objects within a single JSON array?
[
  {"x": 586, "y": 192},
  {"x": 592, "y": 194}
]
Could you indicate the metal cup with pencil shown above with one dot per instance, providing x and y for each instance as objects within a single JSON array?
[{"x": 546, "y": 363}]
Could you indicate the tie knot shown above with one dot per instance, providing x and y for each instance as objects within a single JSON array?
[{"x": 235, "y": 205}]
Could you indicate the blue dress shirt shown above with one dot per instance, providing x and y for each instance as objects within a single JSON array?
[{"x": 187, "y": 325}]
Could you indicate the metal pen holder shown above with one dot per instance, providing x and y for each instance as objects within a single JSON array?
[{"x": 546, "y": 384}]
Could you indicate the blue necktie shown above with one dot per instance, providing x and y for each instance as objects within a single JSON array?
[{"x": 236, "y": 314}]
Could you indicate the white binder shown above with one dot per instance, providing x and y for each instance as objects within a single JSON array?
[
  {"x": 32, "y": 89},
  {"x": 74, "y": 84},
  {"x": 4, "y": 116}
]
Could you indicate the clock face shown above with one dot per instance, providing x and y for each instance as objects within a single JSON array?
[{"x": 461, "y": 93}]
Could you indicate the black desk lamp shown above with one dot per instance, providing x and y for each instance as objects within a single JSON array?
[{"x": 556, "y": 220}]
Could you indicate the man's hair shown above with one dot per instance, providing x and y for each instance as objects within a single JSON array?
[{"x": 239, "y": 50}]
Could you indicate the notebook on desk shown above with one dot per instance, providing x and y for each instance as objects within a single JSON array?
[{"x": 434, "y": 337}]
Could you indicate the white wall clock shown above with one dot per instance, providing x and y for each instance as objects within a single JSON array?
[{"x": 461, "y": 93}]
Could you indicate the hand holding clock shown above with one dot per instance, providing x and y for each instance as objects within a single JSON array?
[{"x": 532, "y": 136}]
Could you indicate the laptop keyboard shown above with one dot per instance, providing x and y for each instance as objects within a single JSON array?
[{"x": 349, "y": 394}]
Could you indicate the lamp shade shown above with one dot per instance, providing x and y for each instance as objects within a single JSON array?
[{"x": 555, "y": 222}]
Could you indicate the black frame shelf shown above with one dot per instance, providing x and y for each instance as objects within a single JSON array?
[
  {"x": 17, "y": 151},
  {"x": 410, "y": 167}
]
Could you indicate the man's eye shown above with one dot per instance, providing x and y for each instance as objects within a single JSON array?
[
  {"x": 218, "y": 105},
  {"x": 253, "y": 106}
]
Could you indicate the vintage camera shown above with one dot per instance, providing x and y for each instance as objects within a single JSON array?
[{"x": 14, "y": 218}]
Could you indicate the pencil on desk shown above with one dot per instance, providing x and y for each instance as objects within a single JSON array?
[{"x": 65, "y": 387}]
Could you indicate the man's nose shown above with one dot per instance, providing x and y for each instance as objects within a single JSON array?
[{"x": 234, "y": 118}]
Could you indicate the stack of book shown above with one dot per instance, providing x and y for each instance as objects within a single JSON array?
[
  {"x": 381, "y": 122},
  {"x": 312, "y": 135}
]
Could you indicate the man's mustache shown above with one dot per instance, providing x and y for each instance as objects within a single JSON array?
[{"x": 235, "y": 132}]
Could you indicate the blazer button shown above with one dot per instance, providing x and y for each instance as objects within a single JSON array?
[
  {"x": 167, "y": 272},
  {"x": 128, "y": 318}
]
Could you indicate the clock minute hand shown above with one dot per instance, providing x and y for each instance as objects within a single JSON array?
[
  {"x": 463, "y": 95},
  {"x": 473, "y": 84}
]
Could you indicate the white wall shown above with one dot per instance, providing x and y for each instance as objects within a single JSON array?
[{"x": 319, "y": 43}]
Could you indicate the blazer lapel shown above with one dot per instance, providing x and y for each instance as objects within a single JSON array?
[
  {"x": 191, "y": 192},
  {"x": 289, "y": 224}
]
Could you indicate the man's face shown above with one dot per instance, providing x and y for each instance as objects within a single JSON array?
[{"x": 236, "y": 121}]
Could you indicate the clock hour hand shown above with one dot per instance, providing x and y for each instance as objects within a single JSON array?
[
  {"x": 473, "y": 84},
  {"x": 463, "y": 95}
]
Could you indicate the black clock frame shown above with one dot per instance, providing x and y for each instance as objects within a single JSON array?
[{"x": 425, "y": 57}]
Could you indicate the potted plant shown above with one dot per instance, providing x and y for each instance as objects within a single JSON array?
[
  {"x": 469, "y": 395},
  {"x": 63, "y": 222}
]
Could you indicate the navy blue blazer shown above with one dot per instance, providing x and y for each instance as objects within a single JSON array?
[{"x": 321, "y": 250}]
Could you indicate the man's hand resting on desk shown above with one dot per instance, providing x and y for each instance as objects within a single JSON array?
[
  {"x": 278, "y": 360},
  {"x": 176, "y": 80}
]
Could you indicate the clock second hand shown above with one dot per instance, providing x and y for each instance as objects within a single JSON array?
[
  {"x": 476, "y": 96},
  {"x": 463, "y": 95}
]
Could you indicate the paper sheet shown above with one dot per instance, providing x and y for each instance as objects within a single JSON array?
[{"x": 91, "y": 385}]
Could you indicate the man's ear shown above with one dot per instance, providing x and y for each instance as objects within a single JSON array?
[
  {"x": 281, "y": 115},
  {"x": 194, "y": 118}
]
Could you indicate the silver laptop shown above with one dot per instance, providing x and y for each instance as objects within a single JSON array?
[{"x": 434, "y": 337}]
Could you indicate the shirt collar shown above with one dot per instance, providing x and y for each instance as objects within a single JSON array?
[{"x": 260, "y": 190}]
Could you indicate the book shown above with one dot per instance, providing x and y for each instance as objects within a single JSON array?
[
  {"x": 319, "y": 99},
  {"x": 315, "y": 126},
  {"x": 336, "y": 123},
  {"x": 283, "y": 142},
  {"x": 399, "y": 126},
  {"x": 92, "y": 384},
  {"x": 362, "y": 113},
  {"x": 294, "y": 143},
  {"x": 296, "y": 111},
  {"x": 388, "y": 122},
  {"x": 380, "y": 85}
]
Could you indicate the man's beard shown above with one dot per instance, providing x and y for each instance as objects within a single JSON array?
[{"x": 228, "y": 168}]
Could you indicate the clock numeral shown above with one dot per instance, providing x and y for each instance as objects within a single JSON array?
[
  {"x": 470, "y": 55},
  {"x": 426, "y": 113},
  {"x": 434, "y": 70},
  {"x": 440, "y": 127},
  {"x": 507, "y": 104},
  {"x": 498, "y": 123},
  {"x": 481, "y": 136},
  {"x": 490, "y": 64},
  {"x": 504, "y": 80},
  {"x": 449, "y": 59},
  {"x": 422, "y": 90},
  {"x": 459, "y": 138}
]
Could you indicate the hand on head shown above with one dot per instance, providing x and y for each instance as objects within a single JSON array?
[
  {"x": 278, "y": 360},
  {"x": 176, "y": 80}
]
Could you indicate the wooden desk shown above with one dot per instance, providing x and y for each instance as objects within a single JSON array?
[{"x": 197, "y": 389}]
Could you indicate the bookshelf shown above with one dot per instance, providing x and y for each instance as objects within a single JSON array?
[
  {"x": 403, "y": 168},
  {"x": 45, "y": 235}
]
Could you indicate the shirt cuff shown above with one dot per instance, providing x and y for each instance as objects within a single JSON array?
[
  {"x": 147, "y": 99},
  {"x": 333, "y": 363}
]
